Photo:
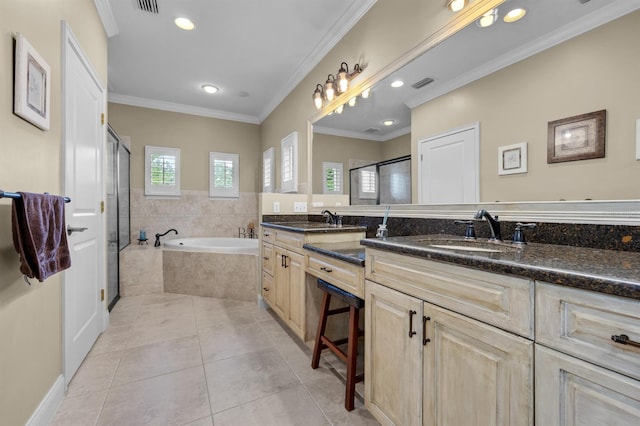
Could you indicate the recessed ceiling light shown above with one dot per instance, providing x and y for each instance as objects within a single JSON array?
[
  {"x": 397, "y": 83},
  {"x": 210, "y": 88},
  {"x": 514, "y": 15},
  {"x": 388, "y": 122},
  {"x": 184, "y": 24}
]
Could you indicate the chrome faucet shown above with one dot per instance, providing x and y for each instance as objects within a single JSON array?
[
  {"x": 494, "y": 224},
  {"x": 332, "y": 218},
  {"x": 157, "y": 243}
]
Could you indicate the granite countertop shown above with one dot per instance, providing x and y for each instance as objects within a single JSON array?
[
  {"x": 312, "y": 227},
  {"x": 606, "y": 271},
  {"x": 350, "y": 251}
]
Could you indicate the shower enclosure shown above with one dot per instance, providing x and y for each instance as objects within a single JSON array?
[{"x": 117, "y": 211}]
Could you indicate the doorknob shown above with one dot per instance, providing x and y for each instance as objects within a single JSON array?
[{"x": 72, "y": 229}]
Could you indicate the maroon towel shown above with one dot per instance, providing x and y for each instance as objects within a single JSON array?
[{"x": 39, "y": 234}]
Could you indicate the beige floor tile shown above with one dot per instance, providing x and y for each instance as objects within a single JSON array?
[
  {"x": 219, "y": 317},
  {"x": 244, "y": 378},
  {"x": 290, "y": 407},
  {"x": 82, "y": 410},
  {"x": 172, "y": 399},
  {"x": 95, "y": 373},
  {"x": 113, "y": 339},
  {"x": 329, "y": 393},
  {"x": 181, "y": 308},
  {"x": 158, "y": 358},
  {"x": 225, "y": 342},
  {"x": 160, "y": 330},
  {"x": 207, "y": 421},
  {"x": 212, "y": 303},
  {"x": 152, "y": 299},
  {"x": 299, "y": 359},
  {"x": 263, "y": 315}
]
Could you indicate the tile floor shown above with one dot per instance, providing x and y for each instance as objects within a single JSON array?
[{"x": 170, "y": 359}]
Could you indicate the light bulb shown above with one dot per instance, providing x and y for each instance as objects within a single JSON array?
[
  {"x": 339, "y": 109},
  {"x": 365, "y": 93},
  {"x": 457, "y": 5},
  {"x": 343, "y": 82},
  {"x": 317, "y": 99},
  {"x": 329, "y": 92},
  {"x": 352, "y": 102},
  {"x": 184, "y": 24},
  {"x": 209, "y": 88}
]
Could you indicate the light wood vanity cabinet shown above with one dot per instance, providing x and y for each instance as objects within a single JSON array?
[
  {"x": 284, "y": 272},
  {"x": 347, "y": 276},
  {"x": 428, "y": 364},
  {"x": 583, "y": 377}
]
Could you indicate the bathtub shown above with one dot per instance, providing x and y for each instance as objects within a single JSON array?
[{"x": 225, "y": 268}]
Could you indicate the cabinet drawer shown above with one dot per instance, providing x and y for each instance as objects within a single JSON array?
[
  {"x": 289, "y": 240},
  {"x": 500, "y": 300},
  {"x": 267, "y": 235},
  {"x": 344, "y": 275},
  {"x": 268, "y": 258},
  {"x": 581, "y": 323},
  {"x": 268, "y": 288}
]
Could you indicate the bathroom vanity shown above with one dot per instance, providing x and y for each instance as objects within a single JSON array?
[{"x": 461, "y": 332}]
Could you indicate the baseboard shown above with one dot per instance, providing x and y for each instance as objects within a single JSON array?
[{"x": 49, "y": 404}]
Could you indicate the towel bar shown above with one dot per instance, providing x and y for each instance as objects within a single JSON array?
[{"x": 4, "y": 194}]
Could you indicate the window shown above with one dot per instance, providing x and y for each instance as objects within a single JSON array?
[
  {"x": 224, "y": 175},
  {"x": 289, "y": 163},
  {"x": 161, "y": 171},
  {"x": 268, "y": 170},
  {"x": 332, "y": 178},
  {"x": 368, "y": 182}
]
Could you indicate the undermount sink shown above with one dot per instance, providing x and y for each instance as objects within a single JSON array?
[{"x": 483, "y": 246}]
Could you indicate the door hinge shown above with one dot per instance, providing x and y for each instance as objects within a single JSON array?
[
  {"x": 101, "y": 206},
  {"x": 102, "y": 118},
  {"x": 102, "y": 295}
]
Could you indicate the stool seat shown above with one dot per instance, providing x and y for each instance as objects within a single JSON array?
[{"x": 323, "y": 342}]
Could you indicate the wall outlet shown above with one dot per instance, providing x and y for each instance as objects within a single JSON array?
[
  {"x": 276, "y": 206},
  {"x": 300, "y": 207}
]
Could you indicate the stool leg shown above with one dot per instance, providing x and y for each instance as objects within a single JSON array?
[
  {"x": 352, "y": 357},
  {"x": 322, "y": 325}
]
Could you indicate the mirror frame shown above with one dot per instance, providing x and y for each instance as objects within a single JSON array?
[{"x": 609, "y": 212}]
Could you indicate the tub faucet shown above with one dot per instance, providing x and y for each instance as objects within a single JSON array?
[
  {"x": 494, "y": 224},
  {"x": 157, "y": 243}
]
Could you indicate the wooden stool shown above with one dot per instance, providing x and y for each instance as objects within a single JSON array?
[{"x": 323, "y": 342}]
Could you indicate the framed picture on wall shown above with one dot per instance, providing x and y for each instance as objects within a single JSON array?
[
  {"x": 512, "y": 159},
  {"x": 32, "y": 85},
  {"x": 580, "y": 137}
]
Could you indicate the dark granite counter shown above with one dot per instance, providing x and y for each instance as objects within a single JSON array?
[
  {"x": 351, "y": 251},
  {"x": 605, "y": 271},
  {"x": 312, "y": 227}
]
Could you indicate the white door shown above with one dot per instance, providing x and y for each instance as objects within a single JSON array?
[
  {"x": 83, "y": 141},
  {"x": 448, "y": 168}
]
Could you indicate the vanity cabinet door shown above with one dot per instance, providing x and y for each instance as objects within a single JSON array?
[
  {"x": 281, "y": 284},
  {"x": 474, "y": 373},
  {"x": 296, "y": 271},
  {"x": 393, "y": 360},
  {"x": 573, "y": 392}
]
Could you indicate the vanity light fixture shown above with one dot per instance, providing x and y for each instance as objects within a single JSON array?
[
  {"x": 209, "y": 88},
  {"x": 514, "y": 15},
  {"x": 488, "y": 18},
  {"x": 457, "y": 5},
  {"x": 335, "y": 86},
  {"x": 340, "y": 109},
  {"x": 352, "y": 102},
  {"x": 184, "y": 23},
  {"x": 365, "y": 93}
]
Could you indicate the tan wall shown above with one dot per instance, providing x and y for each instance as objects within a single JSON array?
[
  {"x": 31, "y": 317},
  {"x": 598, "y": 70},
  {"x": 375, "y": 42},
  {"x": 397, "y": 147},
  {"x": 339, "y": 149},
  {"x": 195, "y": 136}
]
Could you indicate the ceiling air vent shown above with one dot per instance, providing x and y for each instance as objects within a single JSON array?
[
  {"x": 150, "y": 6},
  {"x": 372, "y": 130},
  {"x": 420, "y": 84}
]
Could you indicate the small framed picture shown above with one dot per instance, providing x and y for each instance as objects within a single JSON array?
[
  {"x": 512, "y": 159},
  {"x": 580, "y": 137},
  {"x": 32, "y": 85}
]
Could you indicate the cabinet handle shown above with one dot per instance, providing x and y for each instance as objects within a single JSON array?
[
  {"x": 266, "y": 258},
  {"x": 411, "y": 332},
  {"x": 425, "y": 340},
  {"x": 623, "y": 339},
  {"x": 322, "y": 268},
  {"x": 265, "y": 288},
  {"x": 284, "y": 261}
]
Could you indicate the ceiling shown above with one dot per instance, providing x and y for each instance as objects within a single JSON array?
[
  {"x": 254, "y": 51},
  {"x": 467, "y": 56}
]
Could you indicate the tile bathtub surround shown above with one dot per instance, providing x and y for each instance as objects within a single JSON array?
[
  {"x": 193, "y": 214},
  {"x": 206, "y": 368}
]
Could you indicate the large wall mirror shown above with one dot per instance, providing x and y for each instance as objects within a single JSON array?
[{"x": 511, "y": 79}]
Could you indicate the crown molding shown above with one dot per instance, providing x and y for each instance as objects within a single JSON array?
[
  {"x": 361, "y": 135},
  {"x": 181, "y": 108},
  {"x": 342, "y": 26},
  {"x": 106, "y": 16},
  {"x": 580, "y": 26}
]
